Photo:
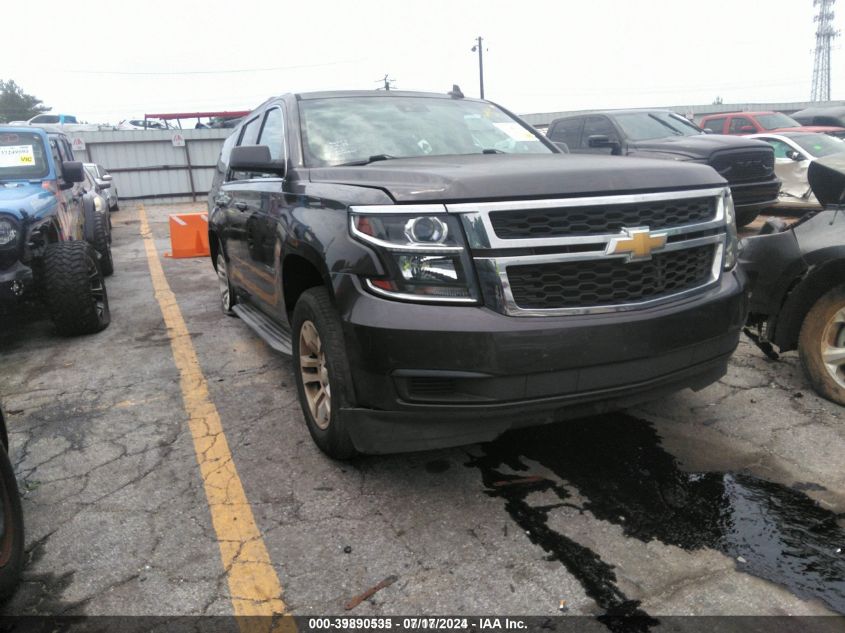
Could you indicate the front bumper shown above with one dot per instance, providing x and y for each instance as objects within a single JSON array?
[
  {"x": 432, "y": 376},
  {"x": 755, "y": 196}
]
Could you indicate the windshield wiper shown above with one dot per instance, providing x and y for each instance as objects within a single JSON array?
[
  {"x": 367, "y": 161},
  {"x": 675, "y": 131},
  {"x": 492, "y": 150}
]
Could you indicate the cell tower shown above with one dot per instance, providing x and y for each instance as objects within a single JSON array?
[{"x": 825, "y": 34}]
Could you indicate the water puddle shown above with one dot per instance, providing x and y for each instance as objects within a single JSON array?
[{"x": 626, "y": 478}]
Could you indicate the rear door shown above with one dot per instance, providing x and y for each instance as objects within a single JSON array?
[
  {"x": 716, "y": 125},
  {"x": 239, "y": 200}
]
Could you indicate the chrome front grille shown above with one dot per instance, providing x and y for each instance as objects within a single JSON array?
[
  {"x": 601, "y": 219},
  {"x": 582, "y": 255}
]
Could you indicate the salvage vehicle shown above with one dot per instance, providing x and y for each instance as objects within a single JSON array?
[
  {"x": 747, "y": 165},
  {"x": 797, "y": 275},
  {"x": 793, "y": 153},
  {"x": 53, "y": 243},
  {"x": 105, "y": 182},
  {"x": 440, "y": 272},
  {"x": 11, "y": 519},
  {"x": 821, "y": 115},
  {"x": 756, "y": 122}
]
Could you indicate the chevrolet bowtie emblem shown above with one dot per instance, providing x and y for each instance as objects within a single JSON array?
[{"x": 637, "y": 243}]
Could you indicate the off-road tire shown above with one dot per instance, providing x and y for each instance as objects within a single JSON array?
[
  {"x": 315, "y": 307},
  {"x": 102, "y": 242},
  {"x": 74, "y": 290},
  {"x": 744, "y": 217},
  {"x": 810, "y": 343},
  {"x": 12, "y": 540}
]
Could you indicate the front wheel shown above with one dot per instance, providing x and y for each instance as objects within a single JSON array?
[
  {"x": 11, "y": 526},
  {"x": 821, "y": 345},
  {"x": 74, "y": 289},
  {"x": 321, "y": 367},
  {"x": 102, "y": 242}
]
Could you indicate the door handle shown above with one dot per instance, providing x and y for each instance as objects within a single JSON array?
[{"x": 241, "y": 206}]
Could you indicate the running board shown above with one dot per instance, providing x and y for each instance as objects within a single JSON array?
[{"x": 261, "y": 324}]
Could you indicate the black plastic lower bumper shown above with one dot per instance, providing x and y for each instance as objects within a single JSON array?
[
  {"x": 428, "y": 376},
  {"x": 755, "y": 196}
]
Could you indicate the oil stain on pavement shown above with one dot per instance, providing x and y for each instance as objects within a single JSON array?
[{"x": 626, "y": 478}]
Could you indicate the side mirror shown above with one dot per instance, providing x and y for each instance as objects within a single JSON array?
[
  {"x": 103, "y": 184},
  {"x": 255, "y": 158},
  {"x": 73, "y": 171},
  {"x": 107, "y": 177},
  {"x": 602, "y": 140},
  {"x": 795, "y": 155},
  {"x": 563, "y": 147},
  {"x": 707, "y": 130},
  {"x": 747, "y": 129}
]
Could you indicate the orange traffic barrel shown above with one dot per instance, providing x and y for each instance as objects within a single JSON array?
[{"x": 189, "y": 235}]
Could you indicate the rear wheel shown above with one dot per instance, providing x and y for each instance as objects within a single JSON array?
[
  {"x": 102, "y": 242},
  {"x": 74, "y": 289},
  {"x": 321, "y": 367},
  {"x": 821, "y": 345},
  {"x": 228, "y": 298}
]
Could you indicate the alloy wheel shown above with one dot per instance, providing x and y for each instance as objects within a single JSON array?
[
  {"x": 833, "y": 347},
  {"x": 315, "y": 375}
]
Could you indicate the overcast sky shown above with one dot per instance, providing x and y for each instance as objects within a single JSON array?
[{"x": 107, "y": 61}]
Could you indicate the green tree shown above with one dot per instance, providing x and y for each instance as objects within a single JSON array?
[{"x": 16, "y": 105}]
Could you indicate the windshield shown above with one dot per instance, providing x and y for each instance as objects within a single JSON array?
[
  {"x": 22, "y": 156},
  {"x": 644, "y": 126},
  {"x": 776, "y": 120},
  {"x": 818, "y": 145},
  {"x": 344, "y": 130}
]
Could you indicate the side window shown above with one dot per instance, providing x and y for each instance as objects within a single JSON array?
[
  {"x": 249, "y": 136},
  {"x": 225, "y": 151},
  {"x": 716, "y": 125},
  {"x": 781, "y": 148},
  {"x": 739, "y": 122},
  {"x": 597, "y": 125},
  {"x": 70, "y": 119},
  {"x": 57, "y": 157},
  {"x": 68, "y": 149},
  {"x": 567, "y": 131},
  {"x": 272, "y": 133}
]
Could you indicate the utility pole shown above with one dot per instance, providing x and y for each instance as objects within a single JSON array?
[
  {"x": 825, "y": 34},
  {"x": 478, "y": 47}
]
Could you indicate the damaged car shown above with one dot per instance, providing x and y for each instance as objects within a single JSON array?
[{"x": 797, "y": 275}]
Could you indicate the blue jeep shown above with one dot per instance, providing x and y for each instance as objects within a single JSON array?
[{"x": 54, "y": 243}]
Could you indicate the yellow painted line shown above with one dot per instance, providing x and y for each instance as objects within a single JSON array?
[{"x": 253, "y": 583}]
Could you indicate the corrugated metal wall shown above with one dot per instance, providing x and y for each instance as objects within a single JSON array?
[{"x": 145, "y": 164}]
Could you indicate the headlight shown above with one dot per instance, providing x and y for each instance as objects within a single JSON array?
[
  {"x": 425, "y": 257},
  {"x": 8, "y": 232},
  {"x": 732, "y": 245}
]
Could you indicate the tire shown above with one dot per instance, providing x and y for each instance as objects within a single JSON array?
[
  {"x": 74, "y": 290},
  {"x": 102, "y": 242},
  {"x": 12, "y": 538},
  {"x": 823, "y": 331},
  {"x": 326, "y": 372},
  {"x": 744, "y": 217},
  {"x": 228, "y": 296}
]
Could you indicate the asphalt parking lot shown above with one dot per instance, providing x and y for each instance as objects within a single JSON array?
[{"x": 166, "y": 469}]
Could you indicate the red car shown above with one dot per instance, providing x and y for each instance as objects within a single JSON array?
[{"x": 757, "y": 122}]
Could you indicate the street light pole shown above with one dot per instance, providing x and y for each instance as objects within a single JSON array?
[{"x": 478, "y": 47}]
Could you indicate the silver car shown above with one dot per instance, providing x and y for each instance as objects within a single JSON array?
[{"x": 101, "y": 176}]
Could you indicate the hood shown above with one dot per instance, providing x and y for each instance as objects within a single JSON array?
[
  {"x": 819, "y": 129},
  {"x": 827, "y": 178},
  {"x": 24, "y": 198},
  {"x": 702, "y": 146},
  {"x": 508, "y": 176}
]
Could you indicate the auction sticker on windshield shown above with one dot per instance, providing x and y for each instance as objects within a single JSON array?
[
  {"x": 16, "y": 156},
  {"x": 515, "y": 131}
]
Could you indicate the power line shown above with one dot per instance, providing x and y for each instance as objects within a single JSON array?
[{"x": 209, "y": 72}]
